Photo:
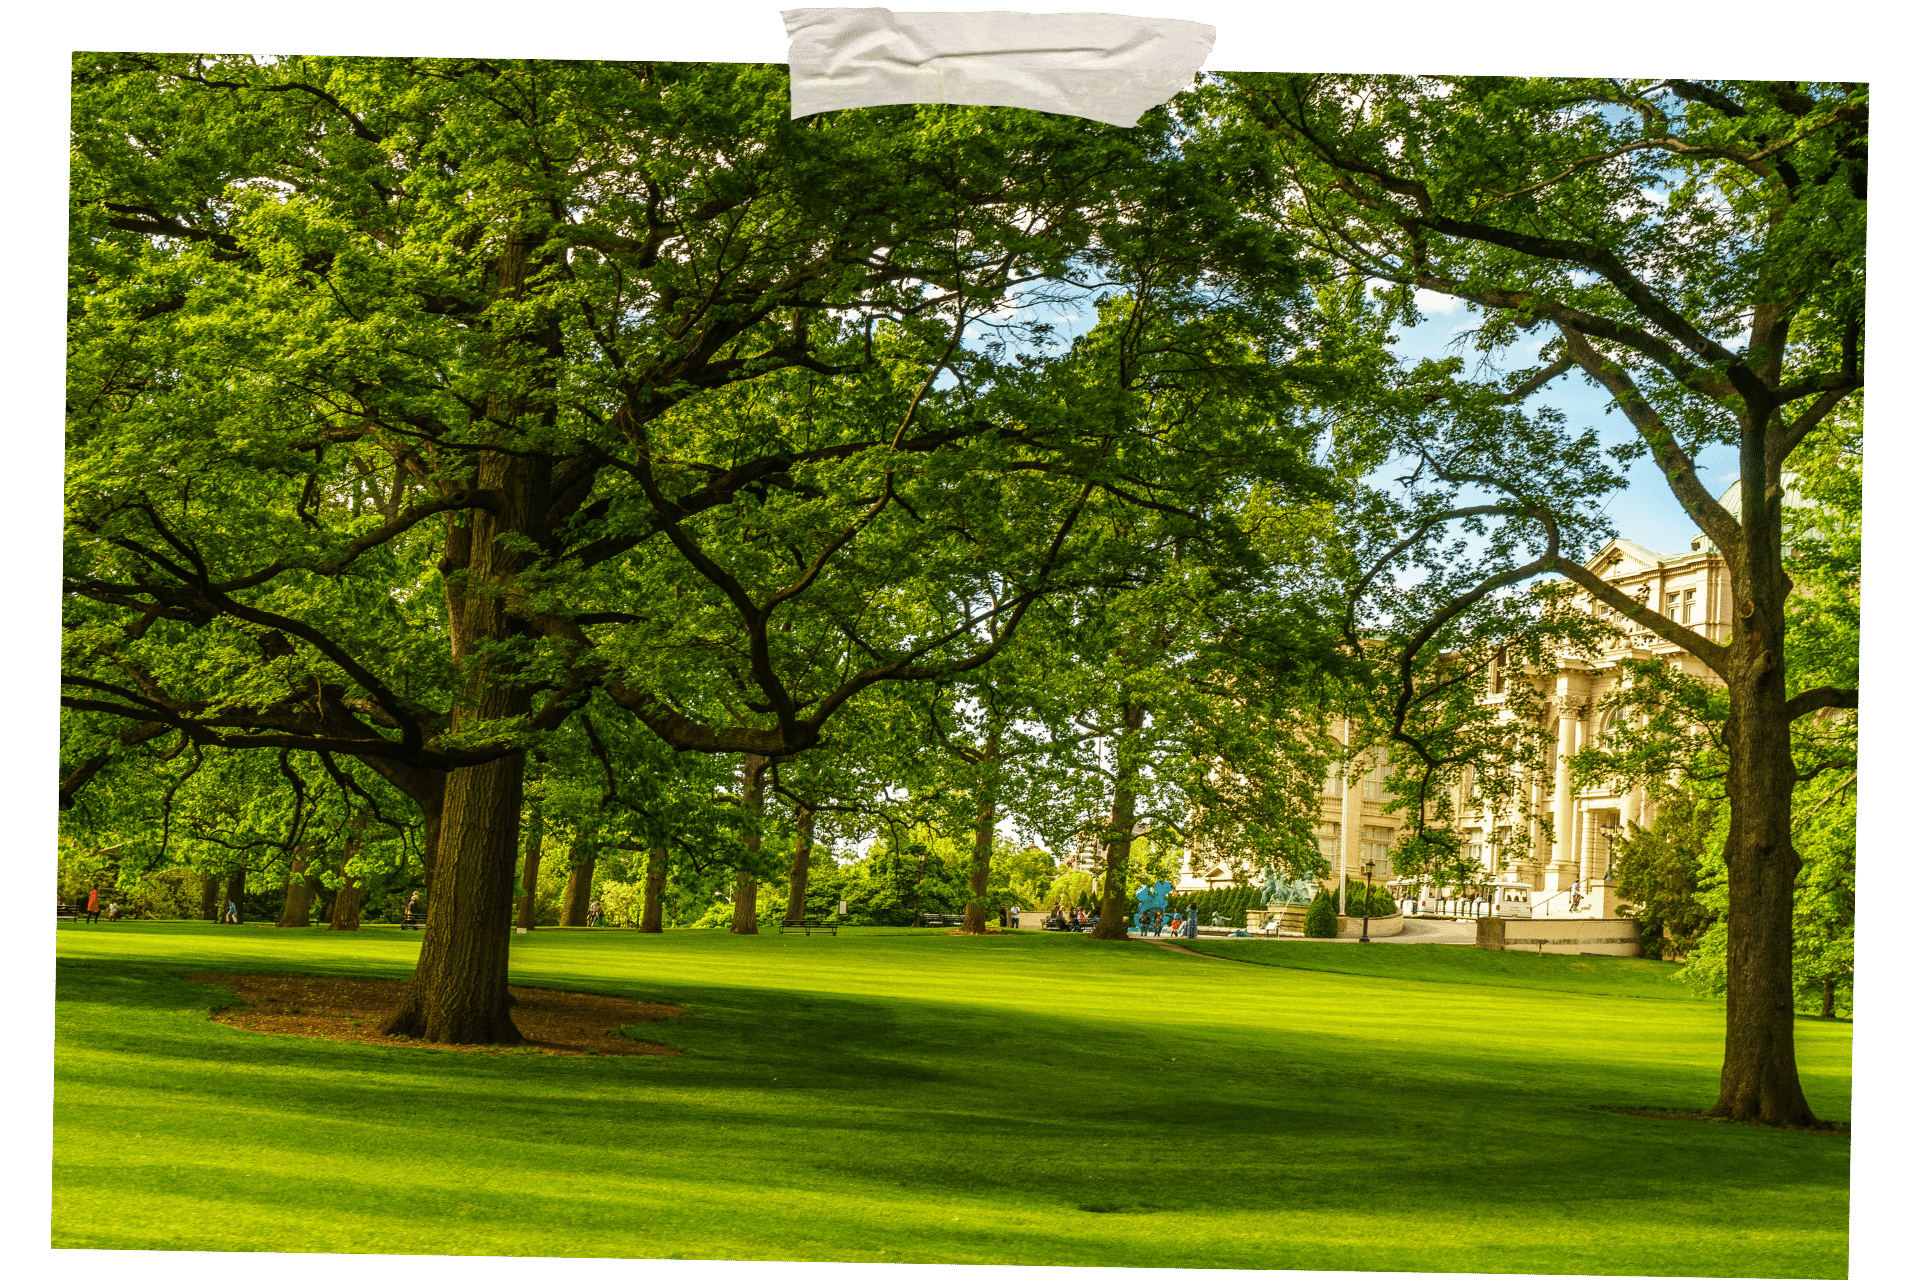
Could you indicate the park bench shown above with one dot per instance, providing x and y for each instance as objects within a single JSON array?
[
  {"x": 67, "y": 911},
  {"x": 811, "y": 927}
]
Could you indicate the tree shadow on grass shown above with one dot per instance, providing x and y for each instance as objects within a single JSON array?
[{"x": 802, "y": 1122}]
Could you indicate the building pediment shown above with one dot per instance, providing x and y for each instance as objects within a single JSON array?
[{"x": 1622, "y": 558}]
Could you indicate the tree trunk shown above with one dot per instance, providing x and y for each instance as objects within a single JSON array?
[
  {"x": 1113, "y": 897},
  {"x": 983, "y": 824},
  {"x": 210, "y": 897},
  {"x": 327, "y": 897},
  {"x": 343, "y": 913},
  {"x": 346, "y": 910},
  {"x": 802, "y": 863},
  {"x": 530, "y": 877},
  {"x": 746, "y": 879},
  {"x": 1759, "y": 1078},
  {"x": 656, "y": 887},
  {"x": 459, "y": 990},
  {"x": 1826, "y": 998},
  {"x": 573, "y": 912},
  {"x": 237, "y": 895},
  {"x": 298, "y": 911}
]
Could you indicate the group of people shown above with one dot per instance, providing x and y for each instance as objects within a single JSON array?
[
  {"x": 88, "y": 908},
  {"x": 1156, "y": 922},
  {"x": 1185, "y": 925},
  {"x": 1074, "y": 920}
]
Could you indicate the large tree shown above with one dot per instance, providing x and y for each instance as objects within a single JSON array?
[
  {"x": 1695, "y": 249},
  {"x": 416, "y": 403},
  {"x": 401, "y": 389}
]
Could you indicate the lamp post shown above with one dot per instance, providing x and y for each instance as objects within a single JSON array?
[{"x": 1367, "y": 918}]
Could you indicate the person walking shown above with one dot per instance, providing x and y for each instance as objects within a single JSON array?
[
  {"x": 593, "y": 913},
  {"x": 233, "y": 912},
  {"x": 113, "y": 912},
  {"x": 93, "y": 907},
  {"x": 406, "y": 921}
]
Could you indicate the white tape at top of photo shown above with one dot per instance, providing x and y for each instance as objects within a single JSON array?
[{"x": 1101, "y": 66}]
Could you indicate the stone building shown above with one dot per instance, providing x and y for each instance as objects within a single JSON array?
[
  {"x": 1354, "y": 827},
  {"x": 1570, "y": 871}
]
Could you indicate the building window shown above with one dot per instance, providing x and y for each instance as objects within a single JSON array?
[
  {"x": 1335, "y": 785},
  {"x": 1330, "y": 843},
  {"x": 1673, "y": 605},
  {"x": 1374, "y": 785},
  {"x": 1374, "y": 845},
  {"x": 1686, "y": 605},
  {"x": 1500, "y": 672}
]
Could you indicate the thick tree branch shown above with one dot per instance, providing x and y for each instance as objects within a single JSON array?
[
  {"x": 1715, "y": 656},
  {"x": 1713, "y": 519},
  {"x": 1825, "y": 696}
]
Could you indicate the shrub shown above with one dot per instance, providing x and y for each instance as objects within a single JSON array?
[
  {"x": 1323, "y": 920},
  {"x": 1360, "y": 904}
]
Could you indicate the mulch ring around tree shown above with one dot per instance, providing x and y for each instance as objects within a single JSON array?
[
  {"x": 1665, "y": 1113},
  {"x": 352, "y": 1009}
]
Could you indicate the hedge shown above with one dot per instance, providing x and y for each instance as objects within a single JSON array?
[{"x": 1323, "y": 920}]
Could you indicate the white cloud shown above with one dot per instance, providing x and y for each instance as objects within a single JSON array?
[{"x": 1436, "y": 304}]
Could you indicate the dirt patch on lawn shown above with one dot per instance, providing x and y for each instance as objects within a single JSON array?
[
  {"x": 1661, "y": 1113},
  {"x": 329, "y": 1008}
]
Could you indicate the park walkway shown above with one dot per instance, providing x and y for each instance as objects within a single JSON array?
[{"x": 1445, "y": 933}]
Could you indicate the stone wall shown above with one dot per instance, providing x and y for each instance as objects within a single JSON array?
[
  {"x": 1380, "y": 927},
  {"x": 1562, "y": 936},
  {"x": 1292, "y": 919}
]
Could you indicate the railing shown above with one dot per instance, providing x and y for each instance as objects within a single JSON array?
[
  {"x": 1461, "y": 908},
  {"x": 1561, "y": 903}
]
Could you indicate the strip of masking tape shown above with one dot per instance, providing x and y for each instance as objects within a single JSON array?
[{"x": 1100, "y": 66}]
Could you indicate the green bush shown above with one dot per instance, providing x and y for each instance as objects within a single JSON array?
[
  {"x": 1359, "y": 904},
  {"x": 1323, "y": 920}
]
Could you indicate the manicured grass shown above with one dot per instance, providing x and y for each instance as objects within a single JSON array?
[{"x": 902, "y": 1097}]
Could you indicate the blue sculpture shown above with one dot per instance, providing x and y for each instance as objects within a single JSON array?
[{"x": 1154, "y": 897}]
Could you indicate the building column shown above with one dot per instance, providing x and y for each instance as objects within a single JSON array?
[
  {"x": 1350, "y": 810},
  {"x": 1530, "y": 868},
  {"x": 1561, "y": 870},
  {"x": 1589, "y": 850}
]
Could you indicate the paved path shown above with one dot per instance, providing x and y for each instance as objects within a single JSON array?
[
  {"x": 1445, "y": 933},
  {"x": 1180, "y": 950}
]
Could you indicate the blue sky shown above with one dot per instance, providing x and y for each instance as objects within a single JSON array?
[{"x": 1645, "y": 511}]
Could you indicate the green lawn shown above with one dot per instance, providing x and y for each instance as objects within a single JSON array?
[{"x": 898, "y": 1097}]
